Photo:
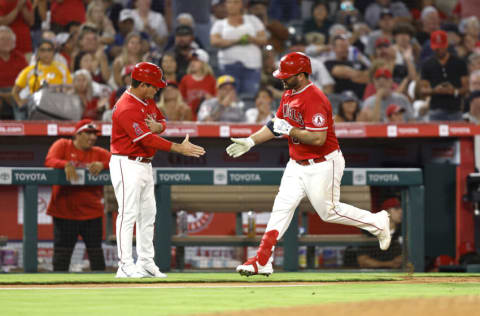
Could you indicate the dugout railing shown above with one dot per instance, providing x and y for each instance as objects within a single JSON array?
[{"x": 409, "y": 180}]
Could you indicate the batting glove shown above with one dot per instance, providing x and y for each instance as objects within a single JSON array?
[
  {"x": 240, "y": 146},
  {"x": 281, "y": 126}
]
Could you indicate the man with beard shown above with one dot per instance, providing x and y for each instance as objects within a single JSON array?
[
  {"x": 447, "y": 79},
  {"x": 316, "y": 166},
  {"x": 184, "y": 48}
]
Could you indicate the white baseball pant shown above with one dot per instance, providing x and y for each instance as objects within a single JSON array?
[
  {"x": 134, "y": 189},
  {"x": 320, "y": 182}
]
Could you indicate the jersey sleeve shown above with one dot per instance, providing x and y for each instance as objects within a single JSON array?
[
  {"x": 56, "y": 154},
  {"x": 316, "y": 113},
  {"x": 133, "y": 124}
]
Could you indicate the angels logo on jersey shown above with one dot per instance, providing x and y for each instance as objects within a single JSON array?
[
  {"x": 318, "y": 120},
  {"x": 138, "y": 129}
]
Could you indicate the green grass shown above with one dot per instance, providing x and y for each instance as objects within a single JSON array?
[
  {"x": 185, "y": 301},
  {"x": 74, "y": 278}
]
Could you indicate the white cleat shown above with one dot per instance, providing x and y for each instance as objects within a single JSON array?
[
  {"x": 252, "y": 267},
  {"x": 151, "y": 271},
  {"x": 384, "y": 238},
  {"x": 128, "y": 271}
]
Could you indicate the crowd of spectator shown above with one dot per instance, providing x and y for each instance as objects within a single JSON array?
[{"x": 377, "y": 60}]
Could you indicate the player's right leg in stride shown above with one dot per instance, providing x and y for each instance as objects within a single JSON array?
[
  {"x": 262, "y": 262},
  {"x": 253, "y": 267}
]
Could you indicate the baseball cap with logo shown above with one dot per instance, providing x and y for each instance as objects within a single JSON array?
[
  {"x": 383, "y": 72},
  {"x": 222, "y": 80},
  {"x": 438, "y": 39},
  {"x": 393, "y": 108},
  {"x": 125, "y": 14},
  {"x": 391, "y": 203},
  {"x": 86, "y": 125},
  {"x": 382, "y": 42}
]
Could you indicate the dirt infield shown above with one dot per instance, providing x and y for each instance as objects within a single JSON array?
[{"x": 442, "y": 306}]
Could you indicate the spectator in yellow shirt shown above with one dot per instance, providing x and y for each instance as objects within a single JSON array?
[{"x": 46, "y": 69}]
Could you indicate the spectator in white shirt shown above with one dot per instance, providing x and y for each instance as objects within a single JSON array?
[
  {"x": 150, "y": 22},
  {"x": 239, "y": 38}
]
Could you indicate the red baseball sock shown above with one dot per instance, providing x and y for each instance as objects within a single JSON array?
[{"x": 264, "y": 252}]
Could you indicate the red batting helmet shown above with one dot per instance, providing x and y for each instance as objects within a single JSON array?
[
  {"x": 292, "y": 64},
  {"x": 149, "y": 73}
]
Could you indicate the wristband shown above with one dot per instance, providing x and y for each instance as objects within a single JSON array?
[{"x": 269, "y": 125}]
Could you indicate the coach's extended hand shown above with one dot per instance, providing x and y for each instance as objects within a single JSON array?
[
  {"x": 188, "y": 149},
  {"x": 240, "y": 146}
]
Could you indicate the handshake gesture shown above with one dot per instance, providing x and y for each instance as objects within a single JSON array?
[{"x": 241, "y": 145}]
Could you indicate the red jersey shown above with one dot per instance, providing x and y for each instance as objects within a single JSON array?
[
  {"x": 308, "y": 109},
  {"x": 11, "y": 68},
  {"x": 19, "y": 26},
  {"x": 67, "y": 11},
  {"x": 75, "y": 202},
  {"x": 194, "y": 91},
  {"x": 129, "y": 127}
]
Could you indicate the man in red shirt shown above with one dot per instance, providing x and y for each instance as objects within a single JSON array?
[
  {"x": 135, "y": 122},
  {"x": 77, "y": 210},
  {"x": 12, "y": 63},
  {"x": 316, "y": 163}
]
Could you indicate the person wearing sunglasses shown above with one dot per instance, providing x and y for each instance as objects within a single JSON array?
[
  {"x": 45, "y": 71},
  {"x": 77, "y": 210}
]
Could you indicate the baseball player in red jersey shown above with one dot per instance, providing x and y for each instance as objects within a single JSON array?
[
  {"x": 315, "y": 168},
  {"x": 135, "y": 123}
]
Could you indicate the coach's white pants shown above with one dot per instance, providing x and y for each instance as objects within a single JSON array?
[
  {"x": 320, "y": 182},
  {"x": 134, "y": 190}
]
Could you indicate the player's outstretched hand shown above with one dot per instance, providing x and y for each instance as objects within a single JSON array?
[
  {"x": 189, "y": 149},
  {"x": 239, "y": 146}
]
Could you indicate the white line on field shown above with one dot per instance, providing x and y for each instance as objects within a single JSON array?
[{"x": 155, "y": 287}]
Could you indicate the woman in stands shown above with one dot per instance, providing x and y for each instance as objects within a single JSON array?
[
  {"x": 348, "y": 109},
  {"x": 199, "y": 83},
  {"x": 172, "y": 105},
  {"x": 82, "y": 87},
  {"x": 239, "y": 39},
  {"x": 131, "y": 55},
  {"x": 96, "y": 16},
  {"x": 263, "y": 110},
  {"x": 45, "y": 71}
]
